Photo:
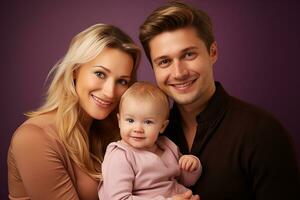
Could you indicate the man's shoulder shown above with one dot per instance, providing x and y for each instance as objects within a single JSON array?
[
  {"x": 252, "y": 117},
  {"x": 241, "y": 107}
]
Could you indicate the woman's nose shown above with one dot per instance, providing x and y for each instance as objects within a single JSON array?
[{"x": 109, "y": 89}]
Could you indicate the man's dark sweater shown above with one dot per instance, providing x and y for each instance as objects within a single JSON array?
[{"x": 245, "y": 152}]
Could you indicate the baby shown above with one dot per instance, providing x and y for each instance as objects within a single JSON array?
[{"x": 144, "y": 165}]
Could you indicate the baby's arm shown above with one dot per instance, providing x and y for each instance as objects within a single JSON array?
[
  {"x": 189, "y": 163},
  {"x": 191, "y": 169}
]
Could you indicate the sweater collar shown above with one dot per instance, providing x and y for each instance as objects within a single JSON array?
[{"x": 216, "y": 105}]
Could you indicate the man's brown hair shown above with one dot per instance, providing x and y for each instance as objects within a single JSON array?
[{"x": 172, "y": 16}]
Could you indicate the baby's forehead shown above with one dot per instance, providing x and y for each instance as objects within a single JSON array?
[
  {"x": 143, "y": 103},
  {"x": 144, "y": 99}
]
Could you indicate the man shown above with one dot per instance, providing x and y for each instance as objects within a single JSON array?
[{"x": 245, "y": 152}]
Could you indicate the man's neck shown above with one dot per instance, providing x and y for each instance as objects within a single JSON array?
[
  {"x": 189, "y": 113},
  {"x": 189, "y": 124}
]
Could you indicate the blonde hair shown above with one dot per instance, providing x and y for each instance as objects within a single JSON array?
[
  {"x": 86, "y": 150},
  {"x": 146, "y": 91}
]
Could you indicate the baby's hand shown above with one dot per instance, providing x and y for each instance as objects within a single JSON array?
[
  {"x": 188, "y": 163},
  {"x": 188, "y": 195}
]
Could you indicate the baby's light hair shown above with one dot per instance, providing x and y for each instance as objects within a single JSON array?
[{"x": 146, "y": 91}]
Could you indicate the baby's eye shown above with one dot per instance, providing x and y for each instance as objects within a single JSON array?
[
  {"x": 130, "y": 120},
  {"x": 149, "y": 122}
]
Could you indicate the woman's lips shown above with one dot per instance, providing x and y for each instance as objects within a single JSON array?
[{"x": 101, "y": 102}]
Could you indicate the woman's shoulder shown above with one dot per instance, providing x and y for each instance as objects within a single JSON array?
[
  {"x": 42, "y": 121},
  {"x": 35, "y": 129}
]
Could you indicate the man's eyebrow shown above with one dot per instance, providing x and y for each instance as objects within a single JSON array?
[
  {"x": 160, "y": 58},
  {"x": 189, "y": 48},
  {"x": 182, "y": 51}
]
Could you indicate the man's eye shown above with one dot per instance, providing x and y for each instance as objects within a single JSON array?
[
  {"x": 100, "y": 74},
  {"x": 163, "y": 62},
  {"x": 190, "y": 55}
]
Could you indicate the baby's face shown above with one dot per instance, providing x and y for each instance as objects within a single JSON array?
[{"x": 141, "y": 122}]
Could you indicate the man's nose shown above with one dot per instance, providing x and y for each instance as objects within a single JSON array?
[{"x": 180, "y": 71}]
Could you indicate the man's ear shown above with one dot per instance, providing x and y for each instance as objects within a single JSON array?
[
  {"x": 164, "y": 126},
  {"x": 213, "y": 52}
]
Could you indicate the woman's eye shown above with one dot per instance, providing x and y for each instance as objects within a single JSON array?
[
  {"x": 100, "y": 74},
  {"x": 123, "y": 82}
]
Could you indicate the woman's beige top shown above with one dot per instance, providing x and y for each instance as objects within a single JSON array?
[{"x": 39, "y": 166}]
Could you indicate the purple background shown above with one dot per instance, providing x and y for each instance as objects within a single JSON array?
[{"x": 258, "y": 44}]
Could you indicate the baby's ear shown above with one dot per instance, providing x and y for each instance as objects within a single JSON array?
[
  {"x": 118, "y": 116},
  {"x": 164, "y": 126}
]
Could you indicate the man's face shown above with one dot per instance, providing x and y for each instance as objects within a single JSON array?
[{"x": 183, "y": 65}]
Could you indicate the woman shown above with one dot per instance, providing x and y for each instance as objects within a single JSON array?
[{"x": 57, "y": 152}]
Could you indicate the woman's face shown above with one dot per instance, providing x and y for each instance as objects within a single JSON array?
[{"x": 101, "y": 82}]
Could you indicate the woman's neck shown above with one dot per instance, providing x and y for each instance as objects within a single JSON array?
[{"x": 86, "y": 121}]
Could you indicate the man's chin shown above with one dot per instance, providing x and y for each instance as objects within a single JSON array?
[{"x": 183, "y": 100}]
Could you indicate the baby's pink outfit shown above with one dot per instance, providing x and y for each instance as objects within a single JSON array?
[{"x": 137, "y": 174}]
